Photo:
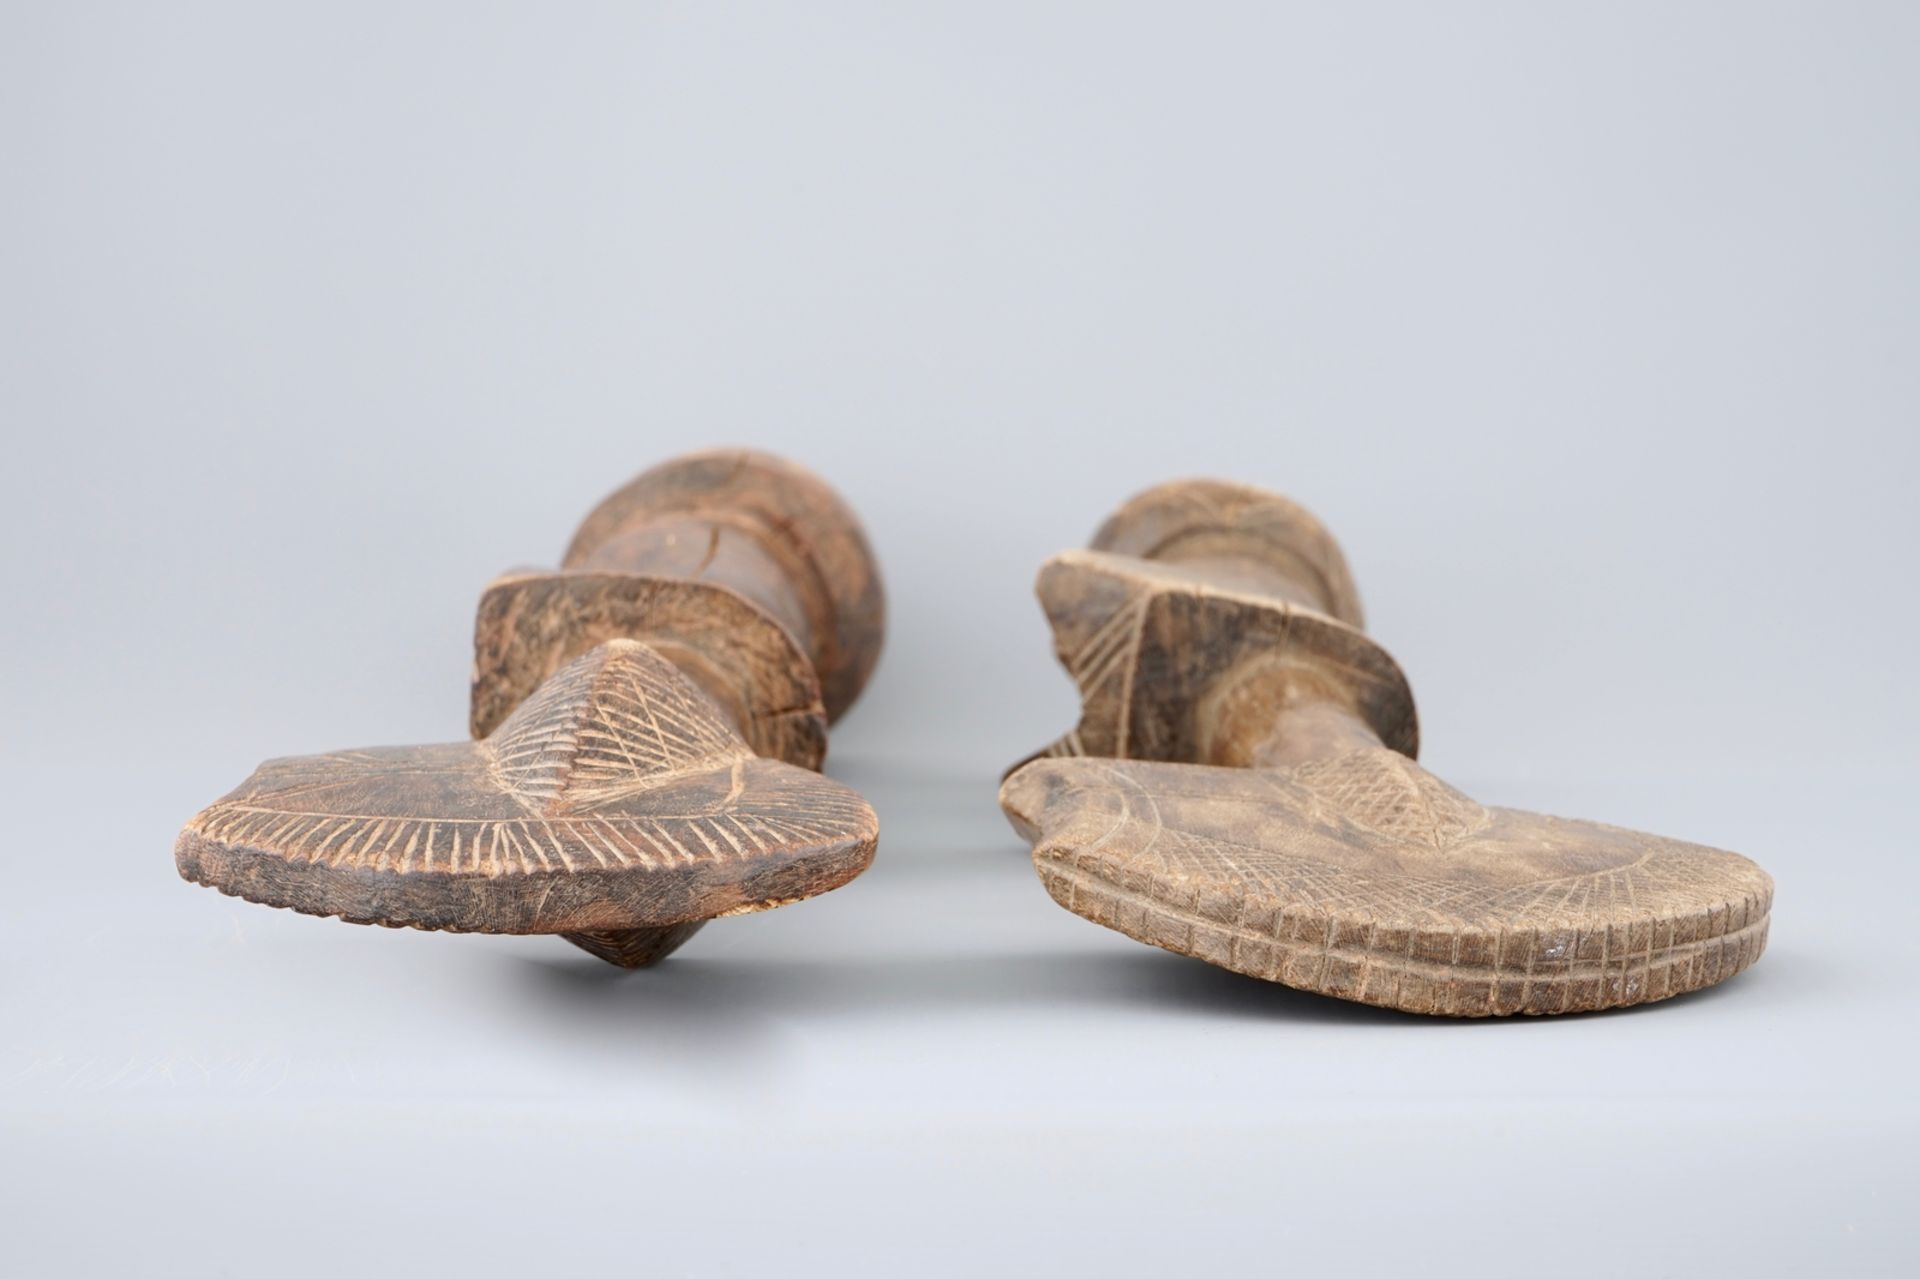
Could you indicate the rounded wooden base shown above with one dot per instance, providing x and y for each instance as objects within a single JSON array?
[
  {"x": 1611, "y": 966},
  {"x": 1362, "y": 876}
]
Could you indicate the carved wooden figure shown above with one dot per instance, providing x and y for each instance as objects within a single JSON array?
[
  {"x": 649, "y": 721},
  {"x": 1242, "y": 788}
]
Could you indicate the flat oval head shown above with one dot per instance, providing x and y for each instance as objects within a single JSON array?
[
  {"x": 1361, "y": 875},
  {"x": 615, "y": 798}
]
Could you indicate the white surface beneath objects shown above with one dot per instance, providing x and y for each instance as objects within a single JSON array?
[{"x": 937, "y": 1069}]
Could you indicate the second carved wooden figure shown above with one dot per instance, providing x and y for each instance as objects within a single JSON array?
[{"x": 1242, "y": 788}]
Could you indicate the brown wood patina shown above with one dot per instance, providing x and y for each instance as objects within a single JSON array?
[
  {"x": 649, "y": 721},
  {"x": 1242, "y": 788}
]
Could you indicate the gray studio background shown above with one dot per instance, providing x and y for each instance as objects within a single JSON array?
[{"x": 1590, "y": 330}]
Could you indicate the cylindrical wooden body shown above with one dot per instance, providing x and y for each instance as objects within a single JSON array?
[
  {"x": 1237, "y": 538},
  {"x": 765, "y": 528}
]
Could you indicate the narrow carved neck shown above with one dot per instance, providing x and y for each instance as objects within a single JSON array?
[
  {"x": 1282, "y": 713},
  {"x": 1313, "y": 730}
]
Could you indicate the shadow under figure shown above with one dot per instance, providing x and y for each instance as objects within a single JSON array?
[
  {"x": 651, "y": 718},
  {"x": 1241, "y": 788}
]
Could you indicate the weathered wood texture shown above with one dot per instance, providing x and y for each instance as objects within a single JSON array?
[
  {"x": 617, "y": 797},
  {"x": 648, "y": 738},
  {"x": 1241, "y": 788},
  {"x": 529, "y": 624}
]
